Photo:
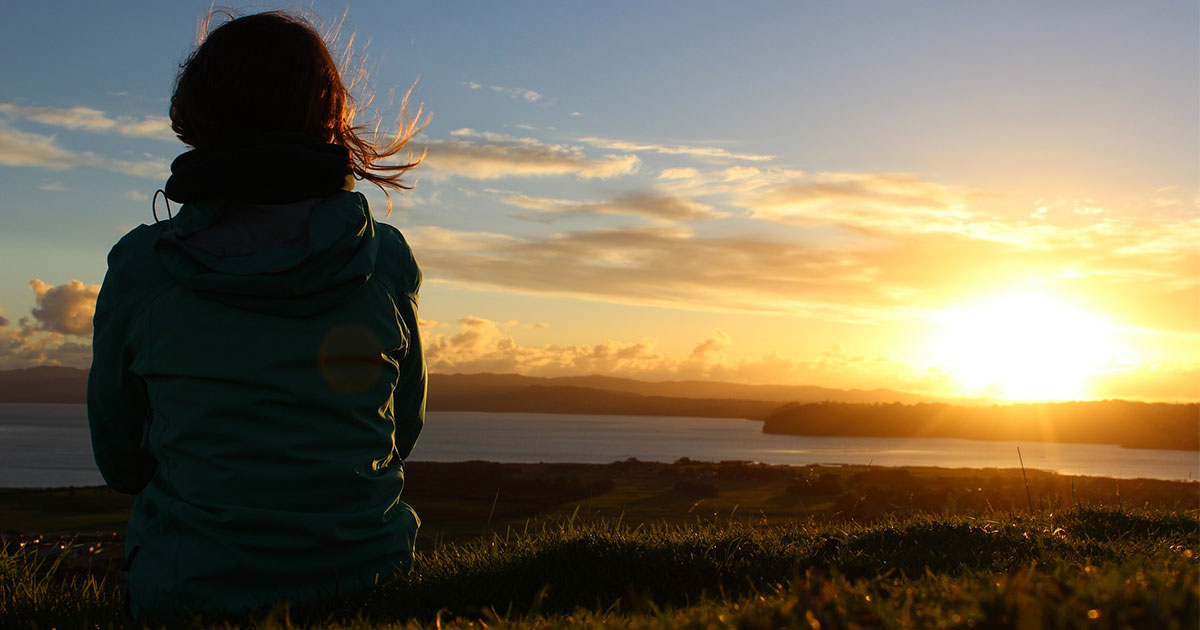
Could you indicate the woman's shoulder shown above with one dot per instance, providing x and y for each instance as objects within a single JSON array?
[
  {"x": 132, "y": 267},
  {"x": 396, "y": 259}
]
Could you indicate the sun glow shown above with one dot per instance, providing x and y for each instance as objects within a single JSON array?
[{"x": 1025, "y": 346}]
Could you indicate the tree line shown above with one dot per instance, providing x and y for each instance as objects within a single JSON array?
[{"x": 1126, "y": 423}]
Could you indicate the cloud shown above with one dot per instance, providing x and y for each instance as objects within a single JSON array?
[
  {"x": 885, "y": 201},
  {"x": 675, "y": 149},
  {"x": 481, "y": 345},
  {"x": 485, "y": 155},
  {"x": 657, "y": 264},
  {"x": 56, "y": 332},
  {"x": 524, "y": 94},
  {"x": 93, "y": 120},
  {"x": 65, "y": 309},
  {"x": 866, "y": 274},
  {"x": 28, "y": 344},
  {"x": 652, "y": 205},
  {"x": 17, "y": 351},
  {"x": 892, "y": 202},
  {"x": 149, "y": 168},
  {"x": 22, "y": 148},
  {"x": 733, "y": 184},
  {"x": 54, "y": 187}
]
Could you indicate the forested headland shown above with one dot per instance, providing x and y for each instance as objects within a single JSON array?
[{"x": 1126, "y": 423}]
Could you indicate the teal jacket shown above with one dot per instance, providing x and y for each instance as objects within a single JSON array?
[{"x": 260, "y": 404}]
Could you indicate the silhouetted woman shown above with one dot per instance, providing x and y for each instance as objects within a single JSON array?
[{"x": 257, "y": 378}]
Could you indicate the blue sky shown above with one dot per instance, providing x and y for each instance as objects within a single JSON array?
[{"x": 763, "y": 191}]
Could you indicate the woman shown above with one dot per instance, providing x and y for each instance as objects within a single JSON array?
[{"x": 257, "y": 378}]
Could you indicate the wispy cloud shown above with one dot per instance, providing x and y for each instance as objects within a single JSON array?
[
  {"x": 734, "y": 183},
  {"x": 94, "y": 120},
  {"x": 646, "y": 204},
  {"x": 888, "y": 202},
  {"x": 656, "y": 264},
  {"x": 871, "y": 200},
  {"x": 524, "y": 94},
  {"x": 486, "y": 155},
  {"x": 674, "y": 149},
  {"x": 23, "y": 148}
]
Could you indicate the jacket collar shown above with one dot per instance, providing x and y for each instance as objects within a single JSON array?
[{"x": 275, "y": 169}]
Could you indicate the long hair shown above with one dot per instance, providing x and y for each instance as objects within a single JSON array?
[{"x": 272, "y": 74}]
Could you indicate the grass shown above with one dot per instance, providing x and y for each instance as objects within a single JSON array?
[
  {"x": 697, "y": 545},
  {"x": 460, "y": 501},
  {"x": 1083, "y": 568}
]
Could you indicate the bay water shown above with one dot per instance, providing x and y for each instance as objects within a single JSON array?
[{"x": 47, "y": 445}]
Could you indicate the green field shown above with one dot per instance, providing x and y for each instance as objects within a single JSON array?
[{"x": 699, "y": 545}]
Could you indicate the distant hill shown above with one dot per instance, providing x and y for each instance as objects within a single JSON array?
[
  {"x": 46, "y": 384},
  {"x": 452, "y": 386},
  {"x": 513, "y": 392},
  {"x": 584, "y": 400},
  {"x": 1125, "y": 423}
]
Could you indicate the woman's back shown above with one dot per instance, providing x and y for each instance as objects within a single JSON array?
[
  {"x": 257, "y": 377},
  {"x": 275, "y": 416}
]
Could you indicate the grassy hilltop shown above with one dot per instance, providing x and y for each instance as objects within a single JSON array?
[{"x": 699, "y": 545}]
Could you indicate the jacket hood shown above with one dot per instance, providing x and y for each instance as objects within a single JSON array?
[{"x": 294, "y": 277}]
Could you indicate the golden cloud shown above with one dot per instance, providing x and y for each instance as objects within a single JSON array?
[
  {"x": 849, "y": 277},
  {"x": 65, "y": 309},
  {"x": 52, "y": 335},
  {"x": 652, "y": 205},
  {"x": 674, "y": 149}
]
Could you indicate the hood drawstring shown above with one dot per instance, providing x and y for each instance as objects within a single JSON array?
[{"x": 154, "y": 205}]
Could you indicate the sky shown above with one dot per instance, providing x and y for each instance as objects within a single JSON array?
[{"x": 947, "y": 198}]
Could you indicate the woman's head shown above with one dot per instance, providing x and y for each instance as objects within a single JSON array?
[{"x": 270, "y": 75}]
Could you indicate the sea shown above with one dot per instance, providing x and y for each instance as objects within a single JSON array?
[{"x": 47, "y": 445}]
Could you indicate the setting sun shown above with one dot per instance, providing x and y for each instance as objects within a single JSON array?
[{"x": 1025, "y": 346}]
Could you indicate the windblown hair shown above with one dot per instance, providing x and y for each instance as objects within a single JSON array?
[{"x": 271, "y": 74}]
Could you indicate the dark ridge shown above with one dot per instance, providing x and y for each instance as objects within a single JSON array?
[
  {"x": 1125, "y": 423},
  {"x": 44, "y": 384}
]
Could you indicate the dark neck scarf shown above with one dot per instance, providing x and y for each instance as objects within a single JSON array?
[{"x": 276, "y": 170}]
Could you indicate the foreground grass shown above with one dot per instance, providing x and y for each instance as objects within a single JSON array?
[{"x": 1085, "y": 568}]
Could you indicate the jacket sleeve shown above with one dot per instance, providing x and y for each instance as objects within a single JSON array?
[
  {"x": 118, "y": 402},
  {"x": 409, "y": 398}
]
